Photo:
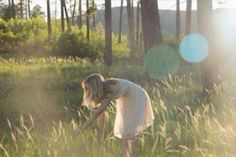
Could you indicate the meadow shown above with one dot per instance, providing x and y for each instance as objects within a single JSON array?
[{"x": 40, "y": 111}]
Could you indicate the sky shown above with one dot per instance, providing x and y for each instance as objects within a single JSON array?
[{"x": 163, "y": 4}]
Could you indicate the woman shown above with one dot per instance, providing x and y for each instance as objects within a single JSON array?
[{"x": 133, "y": 106}]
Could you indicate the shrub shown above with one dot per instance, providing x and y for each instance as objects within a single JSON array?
[
  {"x": 75, "y": 43},
  {"x": 29, "y": 38},
  {"x": 18, "y": 36}
]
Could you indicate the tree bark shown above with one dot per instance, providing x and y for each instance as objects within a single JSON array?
[
  {"x": 49, "y": 19},
  {"x": 80, "y": 14},
  {"x": 21, "y": 9},
  {"x": 10, "y": 8},
  {"x": 108, "y": 35},
  {"x": 209, "y": 67},
  {"x": 67, "y": 16},
  {"x": 29, "y": 8},
  {"x": 62, "y": 17},
  {"x": 94, "y": 16},
  {"x": 130, "y": 14},
  {"x": 177, "y": 26},
  {"x": 120, "y": 21},
  {"x": 87, "y": 20},
  {"x": 73, "y": 13},
  {"x": 150, "y": 23},
  {"x": 188, "y": 17},
  {"x": 13, "y": 8},
  {"x": 138, "y": 28},
  {"x": 158, "y": 21}
]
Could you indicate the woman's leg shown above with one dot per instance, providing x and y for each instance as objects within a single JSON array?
[
  {"x": 100, "y": 123},
  {"x": 128, "y": 147}
]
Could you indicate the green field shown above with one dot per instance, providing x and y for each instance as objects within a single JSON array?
[{"x": 40, "y": 111}]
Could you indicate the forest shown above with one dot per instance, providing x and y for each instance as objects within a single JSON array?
[{"x": 183, "y": 58}]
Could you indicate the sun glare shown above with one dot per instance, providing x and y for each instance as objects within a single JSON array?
[{"x": 225, "y": 23}]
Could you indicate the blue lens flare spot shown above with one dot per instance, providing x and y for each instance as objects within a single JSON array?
[{"x": 194, "y": 48}]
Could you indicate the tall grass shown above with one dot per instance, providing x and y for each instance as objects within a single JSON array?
[{"x": 185, "y": 125}]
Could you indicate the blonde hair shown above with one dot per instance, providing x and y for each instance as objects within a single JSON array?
[{"x": 93, "y": 86}]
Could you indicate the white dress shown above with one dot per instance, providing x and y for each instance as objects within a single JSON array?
[{"x": 133, "y": 109}]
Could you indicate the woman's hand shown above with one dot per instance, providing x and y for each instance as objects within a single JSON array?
[
  {"x": 105, "y": 102},
  {"x": 99, "y": 111}
]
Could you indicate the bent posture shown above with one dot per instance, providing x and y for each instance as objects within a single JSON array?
[{"x": 133, "y": 107}]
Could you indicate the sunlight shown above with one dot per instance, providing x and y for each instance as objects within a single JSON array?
[
  {"x": 224, "y": 4},
  {"x": 226, "y": 31}
]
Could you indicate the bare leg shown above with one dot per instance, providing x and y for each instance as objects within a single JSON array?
[
  {"x": 100, "y": 123},
  {"x": 128, "y": 147}
]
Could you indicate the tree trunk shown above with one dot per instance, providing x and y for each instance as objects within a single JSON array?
[
  {"x": 55, "y": 13},
  {"x": 130, "y": 14},
  {"x": 138, "y": 28},
  {"x": 150, "y": 23},
  {"x": 177, "y": 27},
  {"x": 87, "y": 19},
  {"x": 188, "y": 17},
  {"x": 29, "y": 8},
  {"x": 108, "y": 35},
  {"x": 94, "y": 16},
  {"x": 62, "y": 17},
  {"x": 13, "y": 8},
  {"x": 158, "y": 22},
  {"x": 80, "y": 14},
  {"x": 49, "y": 19},
  {"x": 120, "y": 22},
  {"x": 209, "y": 67},
  {"x": 21, "y": 9},
  {"x": 67, "y": 16},
  {"x": 73, "y": 13},
  {"x": 10, "y": 8},
  {"x": 26, "y": 8}
]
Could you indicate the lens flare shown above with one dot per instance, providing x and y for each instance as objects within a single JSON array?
[
  {"x": 161, "y": 61},
  {"x": 194, "y": 48}
]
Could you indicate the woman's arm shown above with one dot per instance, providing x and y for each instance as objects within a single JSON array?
[
  {"x": 100, "y": 124},
  {"x": 100, "y": 110}
]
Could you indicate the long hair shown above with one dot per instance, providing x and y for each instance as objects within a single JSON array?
[{"x": 93, "y": 90}]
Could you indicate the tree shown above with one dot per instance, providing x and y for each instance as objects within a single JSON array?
[
  {"x": 130, "y": 13},
  {"x": 6, "y": 10},
  {"x": 62, "y": 17},
  {"x": 150, "y": 23},
  {"x": 94, "y": 8},
  {"x": 29, "y": 11},
  {"x": 177, "y": 26},
  {"x": 73, "y": 12},
  {"x": 120, "y": 21},
  {"x": 37, "y": 11},
  {"x": 80, "y": 14},
  {"x": 108, "y": 35},
  {"x": 21, "y": 8},
  {"x": 138, "y": 27},
  {"x": 2, "y": 8},
  {"x": 67, "y": 16},
  {"x": 87, "y": 18},
  {"x": 49, "y": 19},
  {"x": 188, "y": 17},
  {"x": 209, "y": 67},
  {"x": 13, "y": 9}
]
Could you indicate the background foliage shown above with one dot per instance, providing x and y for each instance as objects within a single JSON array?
[{"x": 20, "y": 37}]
